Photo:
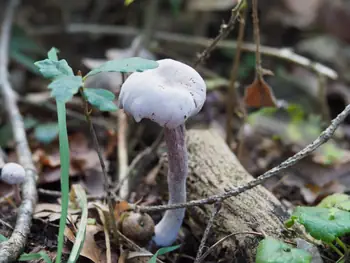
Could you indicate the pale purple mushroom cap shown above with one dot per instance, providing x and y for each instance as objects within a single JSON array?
[
  {"x": 167, "y": 95},
  {"x": 13, "y": 173}
]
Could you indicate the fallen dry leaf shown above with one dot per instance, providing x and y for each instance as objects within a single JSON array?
[
  {"x": 259, "y": 94},
  {"x": 90, "y": 249},
  {"x": 52, "y": 212}
]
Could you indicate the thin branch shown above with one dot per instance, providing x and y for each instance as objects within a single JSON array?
[
  {"x": 280, "y": 53},
  {"x": 323, "y": 138},
  {"x": 216, "y": 210},
  {"x": 224, "y": 31},
  {"x": 258, "y": 67},
  {"x": 233, "y": 101},
  {"x": 11, "y": 249},
  {"x": 102, "y": 163}
]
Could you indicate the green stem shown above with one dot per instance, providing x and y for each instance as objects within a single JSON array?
[
  {"x": 64, "y": 157},
  {"x": 341, "y": 244},
  {"x": 336, "y": 249}
]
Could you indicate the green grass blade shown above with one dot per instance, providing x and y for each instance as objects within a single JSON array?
[
  {"x": 80, "y": 237},
  {"x": 33, "y": 256},
  {"x": 162, "y": 251},
  {"x": 64, "y": 157}
]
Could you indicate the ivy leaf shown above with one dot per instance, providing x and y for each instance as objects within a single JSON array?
[
  {"x": 46, "y": 133},
  {"x": 162, "y": 251},
  {"x": 125, "y": 65},
  {"x": 101, "y": 98},
  {"x": 274, "y": 251},
  {"x": 324, "y": 224},
  {"x": 52, "y": 69},
  {"x": 340, "y": 201},
  {"x": 64, "y": 88}
]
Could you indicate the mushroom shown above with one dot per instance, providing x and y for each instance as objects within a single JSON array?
[
  {"x": 13, "y": 174},
  {"x": 168, "y": 95}
]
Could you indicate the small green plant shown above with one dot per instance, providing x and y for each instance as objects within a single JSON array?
[
  {"x": 64, "y": 85},
  {"x": 328, "y": 222},
  {"x": 275, "y": 251}
]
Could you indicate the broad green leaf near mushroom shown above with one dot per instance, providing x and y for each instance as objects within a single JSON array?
[{"x": 324, "y": 224}]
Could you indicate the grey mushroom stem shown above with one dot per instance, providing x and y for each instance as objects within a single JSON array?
[{"x": 167, "y": 229}]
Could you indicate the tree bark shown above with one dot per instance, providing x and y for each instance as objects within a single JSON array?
[{"x": 212, "y": 169}]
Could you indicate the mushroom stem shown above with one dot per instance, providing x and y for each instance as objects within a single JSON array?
[{"x": 167, "y": 229}]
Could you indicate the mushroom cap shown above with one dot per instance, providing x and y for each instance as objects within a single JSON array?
[
  {"x": 13, "y": 173},
  {"x": 167, "y": 95}
]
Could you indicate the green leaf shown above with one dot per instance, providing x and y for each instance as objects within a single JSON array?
[
  {"x": 64, "y": 88},
  {"x": 162, "y": 251},
  {"x": 340, "y": 201},
  {"x": 2, "y": 238},
  {"x": 52, "y": 69},
  {"x": 271, "y": 250},
  {"x": 125, "y": 65},
  {"x": 324, "y": 224},
  {"x": 34, "y": 256},
  {"x": 46, "y": 133},
  {"x": 52, "y": 54},
  {"x": 80, "y": 237},
  {"x": 101, "y": 98}
]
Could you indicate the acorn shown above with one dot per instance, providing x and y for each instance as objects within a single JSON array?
[{"x": 139, "y": 227}]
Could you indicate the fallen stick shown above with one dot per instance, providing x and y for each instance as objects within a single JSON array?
[{"x": 11, "y": 249}]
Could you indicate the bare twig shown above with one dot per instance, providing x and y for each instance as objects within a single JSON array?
[
  {"x": 322, "y": 94},
  {"x": 223, "y": 239},
  {"x": 258, "y": 68},
  {"x": 280, "y": 53},
  {"x": 323, "y": 138},
  {"x": 233, "y": 102},
  {"x": 102, "y": 163},
  {"x": 149, "y": 22},
  {"x": 224, "y": 31},
  {"x": 216, "y": 210},
  {"x": 11, "y": 249},
  {"x": 123, "y": 154}
]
